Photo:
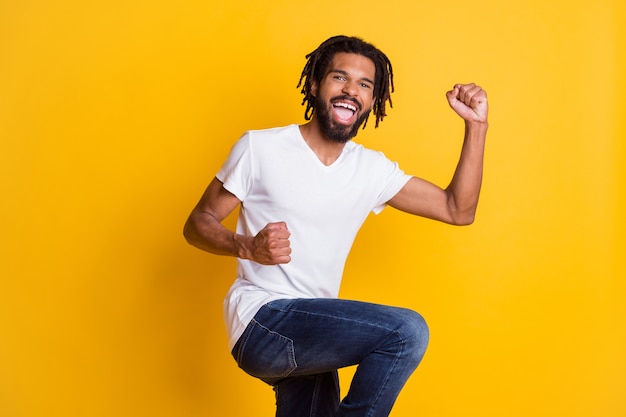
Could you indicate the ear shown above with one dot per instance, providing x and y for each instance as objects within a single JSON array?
[{"x": 314, "y": 87}]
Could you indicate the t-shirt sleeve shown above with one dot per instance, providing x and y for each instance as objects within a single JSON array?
[
  {"x": 394, "y": 180},
  {"x": 236, "y": 172}
]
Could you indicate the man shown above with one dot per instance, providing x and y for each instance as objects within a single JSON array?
[{"x": 304, "y": 191}]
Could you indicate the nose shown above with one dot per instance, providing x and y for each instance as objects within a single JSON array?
[{"x": 350, "y": 88}]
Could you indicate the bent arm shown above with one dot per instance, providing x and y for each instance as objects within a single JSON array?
[
  {"x": 458, "y": 202},
  {"x": 204, "y": 230}
]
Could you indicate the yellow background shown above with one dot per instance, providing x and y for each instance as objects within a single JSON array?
[{"x": 115, "y": 115}]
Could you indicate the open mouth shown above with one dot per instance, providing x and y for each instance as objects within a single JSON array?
[{"x": 344, "y": 111}]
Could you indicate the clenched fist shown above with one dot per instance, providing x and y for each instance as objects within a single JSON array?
[
  {"x": 271, "y": 245},
  {"x": 469, "y": 101}
]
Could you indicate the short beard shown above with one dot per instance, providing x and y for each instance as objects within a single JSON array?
[{"x": 334, "y": 131}]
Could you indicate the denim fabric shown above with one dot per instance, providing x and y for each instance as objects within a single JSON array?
[{"x": 296, "y": 345}]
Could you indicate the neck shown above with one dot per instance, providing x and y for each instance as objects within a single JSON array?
[{"x": 327, "y": 150}]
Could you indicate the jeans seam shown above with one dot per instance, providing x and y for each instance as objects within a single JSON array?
[
  {"x": 387, "y": 375},
  {"x": 308, "y": 313},
  {"x": 244, "y": 342},
  {"x": 316, "y": 391},
  {"x": 293, "y": 364}
]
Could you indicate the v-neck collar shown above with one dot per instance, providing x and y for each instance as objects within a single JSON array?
[{"x": 316, "y": 158}]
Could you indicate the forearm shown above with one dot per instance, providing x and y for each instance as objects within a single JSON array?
[
  {"x": 205, "y": 232},
  {"x": 464, "y": 189}
]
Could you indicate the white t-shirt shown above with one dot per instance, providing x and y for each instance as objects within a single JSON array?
[{"x": 277, "y": 177}]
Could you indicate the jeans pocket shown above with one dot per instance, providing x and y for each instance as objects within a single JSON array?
[{"x": 265, "y": 354}]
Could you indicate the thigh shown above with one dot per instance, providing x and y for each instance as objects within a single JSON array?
[{"x": 294, "y": 337}]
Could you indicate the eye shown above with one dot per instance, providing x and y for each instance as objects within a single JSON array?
[{"x": 365, "y": 85}]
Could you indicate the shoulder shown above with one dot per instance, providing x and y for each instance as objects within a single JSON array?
[
  {"x": 367, "y": 155},
  {"x": 273, "y": 133},
  {"x": 265, "y": 137}
]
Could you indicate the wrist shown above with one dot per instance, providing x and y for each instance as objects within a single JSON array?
[
  {"x": 476, "y": 128},
  {"x": 474, "y": 124},
  {"x": 242, "y": 246}
]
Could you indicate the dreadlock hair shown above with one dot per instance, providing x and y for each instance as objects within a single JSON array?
[{"x": 318, "y": 61}]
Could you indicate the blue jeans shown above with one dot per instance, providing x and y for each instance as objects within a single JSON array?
[{"x": 297, "y": 345}]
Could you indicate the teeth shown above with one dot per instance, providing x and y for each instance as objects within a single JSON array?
[{"x": 346, "y": 105}]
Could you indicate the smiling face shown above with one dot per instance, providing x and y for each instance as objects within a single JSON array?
[{"x": 345, "y": 96}]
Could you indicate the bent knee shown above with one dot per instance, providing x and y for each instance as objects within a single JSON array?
[{"x": 414, "y": 331}]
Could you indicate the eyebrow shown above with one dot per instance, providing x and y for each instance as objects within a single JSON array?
[{"x": 342, "y": 72}]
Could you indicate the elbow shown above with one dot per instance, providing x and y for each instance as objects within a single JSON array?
[
  {"x": 463, "y": 219},
  {"x": 461, "y": 215},
  {"x": 461, "y": 212},
  {"x": 189, "y": 232},
  {"x": 466, "y": 221}
]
